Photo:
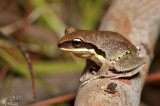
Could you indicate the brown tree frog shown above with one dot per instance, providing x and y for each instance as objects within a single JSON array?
[{"x": 107, "y": 49}]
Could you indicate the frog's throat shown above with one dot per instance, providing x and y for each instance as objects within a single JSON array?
[{"x": 87, "y": 53}]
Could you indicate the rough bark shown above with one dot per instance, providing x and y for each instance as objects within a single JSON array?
[{"x": 138, "y": 21}]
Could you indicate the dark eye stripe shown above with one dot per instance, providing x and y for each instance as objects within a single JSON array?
[{"x": 69, "y": 44}]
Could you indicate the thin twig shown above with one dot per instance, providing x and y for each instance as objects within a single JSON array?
[
  {"x": 4, "y": 71},
  {"x": 153, "y": 77},
  {"x": 26, "y": 56},
  {"x": 55, "y": 100}
]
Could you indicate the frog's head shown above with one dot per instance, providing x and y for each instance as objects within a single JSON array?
[{"x": 80, "y": 42}]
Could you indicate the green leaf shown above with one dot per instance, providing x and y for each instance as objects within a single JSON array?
[{"x": 50, "y": 18}]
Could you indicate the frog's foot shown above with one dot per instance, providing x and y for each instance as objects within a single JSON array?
[
  {"x": 91, "y": 79},
  {"x": 102, "y": 73}
]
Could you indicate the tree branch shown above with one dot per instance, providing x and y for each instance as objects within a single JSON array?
[{"x": 138, "y": 21}]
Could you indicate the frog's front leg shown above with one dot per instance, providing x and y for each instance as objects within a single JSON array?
[
  {"x": 103, "y": 70},
  {"x": 104, "y": 66}
]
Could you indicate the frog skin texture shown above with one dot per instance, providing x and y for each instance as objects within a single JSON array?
[{"x": 108, "y": 50}]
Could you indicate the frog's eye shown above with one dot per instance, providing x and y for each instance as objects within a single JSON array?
[{"x": 76, "y": 42}]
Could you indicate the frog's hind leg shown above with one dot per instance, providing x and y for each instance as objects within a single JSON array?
[
  {"x": 128, "y": 63},
  {"x": 128, "y": 66},
  {"x": 126, "y": 74}
]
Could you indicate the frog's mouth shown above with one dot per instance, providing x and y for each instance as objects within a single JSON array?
[{"x": 83, "y": 52}]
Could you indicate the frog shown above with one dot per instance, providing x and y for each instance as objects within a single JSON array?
[{"x": 107, "y": 49}]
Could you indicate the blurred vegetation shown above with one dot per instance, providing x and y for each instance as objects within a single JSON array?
[{"x": 41, "y": 24}]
